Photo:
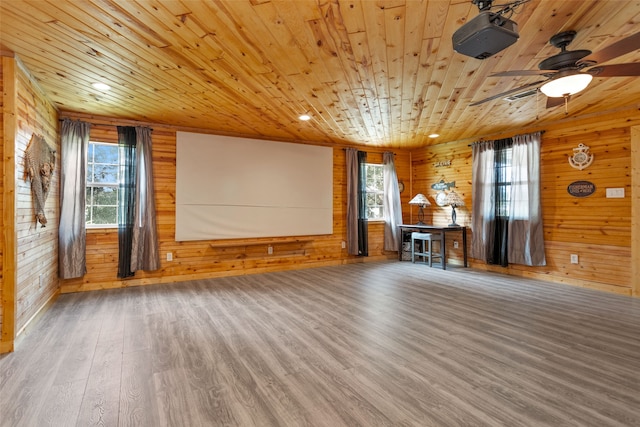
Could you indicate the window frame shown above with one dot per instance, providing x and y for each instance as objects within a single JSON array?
[
  {"x": 90, "y": 163},
  {"x": 379, "y": 192},
  {"x": 503, "y": 169}
]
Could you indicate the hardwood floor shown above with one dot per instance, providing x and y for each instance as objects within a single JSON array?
[{"x": 369, "y": 344}]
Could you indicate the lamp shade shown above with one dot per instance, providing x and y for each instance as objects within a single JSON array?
[
  {"x": 420, "y": 200},
  {"x": 454, "y": 199},
  {"x": 566, "y": 85}
]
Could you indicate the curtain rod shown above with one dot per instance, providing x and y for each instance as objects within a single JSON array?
[
  {"x": 541, "y": 133},
  {"x": 94, "y": 124},
  {"x": 385, "y": 151}
]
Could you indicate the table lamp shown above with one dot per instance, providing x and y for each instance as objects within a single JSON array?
[
  {"x": 422, "y": 202},
  {"x": 454, "y": 200}
]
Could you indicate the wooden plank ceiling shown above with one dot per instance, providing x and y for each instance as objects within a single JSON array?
[{"x": 371, "y": 73}]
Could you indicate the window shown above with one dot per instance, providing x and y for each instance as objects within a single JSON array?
[
  {"x": 503, "y": 181},
  {"x": 375, "y": 191},
  {"x": 512, "y": 195},
  {"x": 103, "y": 178}
]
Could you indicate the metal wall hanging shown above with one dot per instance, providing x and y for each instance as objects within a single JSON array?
[
  {"x": 581, "y": 158},
  {"x": 40, "y": 161},
  {"x": 441, "y": 185}
]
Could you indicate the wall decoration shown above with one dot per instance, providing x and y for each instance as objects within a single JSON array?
[
  {"x": 581, "y": 158},
  {"x": 441, "y": 198},
  {"x": 441, "y": 185},
  {"x": 581, "y": 188},
  {"x": 40, "y": 160},
  {"x": 442, "y": 164}
]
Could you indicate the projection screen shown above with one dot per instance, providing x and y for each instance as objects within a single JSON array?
[{"x": 228, "y": 187}]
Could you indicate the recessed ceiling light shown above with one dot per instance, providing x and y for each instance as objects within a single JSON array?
[
  {"x": 434, "y": 135},
  {"x": 101, "y": 86},
  {"x": 305, "y": 117}
]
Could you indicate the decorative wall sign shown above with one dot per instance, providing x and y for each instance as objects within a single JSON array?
[
  {"x": 441, "y": 185},
  {"x": 581, "y": 158},
  {"x": 442, "y": 163},
  {"x": 441, "y": 198},
  {"x": 581, "y": 188},
  {"x": 40, "y": 160}
]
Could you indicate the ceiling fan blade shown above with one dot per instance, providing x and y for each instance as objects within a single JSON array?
[
  {"x": 555, "y": 101},
  {"x": 619, "y": 48},
  {"x": 615, "y": 70},
  {"x": 521, "y": 73},
  {"x": 500, "y": 95}
]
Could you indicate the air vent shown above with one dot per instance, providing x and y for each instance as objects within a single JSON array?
[{"x": 521, "y": 95}]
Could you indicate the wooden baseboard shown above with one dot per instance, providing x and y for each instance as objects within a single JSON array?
[
  {"x": 9, "y": 346},
  {"x": 33, "y": 320},
  {"x": 6, "y": 347},
  {"x": 116, "y": 284},
  {"x": 621, "y": 290}
]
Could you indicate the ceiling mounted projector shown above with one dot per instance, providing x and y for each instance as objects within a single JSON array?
[{"x": 485, "y": 35}]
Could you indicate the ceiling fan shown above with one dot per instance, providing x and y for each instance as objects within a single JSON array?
[{"x": 571, "y": 71}]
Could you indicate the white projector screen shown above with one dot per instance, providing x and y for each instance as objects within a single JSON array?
[{"x": 228, "y": 188}]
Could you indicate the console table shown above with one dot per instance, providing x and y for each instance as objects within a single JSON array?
[{"x": 409, "y": 228}]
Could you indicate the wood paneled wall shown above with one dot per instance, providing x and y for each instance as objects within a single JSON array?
[
  {"x": 30, "y": 252},
  {"x": 199, "y": 259},
  {"x": 635, "y": 210},
  {"x": 37, "y": 246},
  {"x": 6, "y": 331},
  {"x": 596, "y": 228},
  {"x": 427, "y": 169}
]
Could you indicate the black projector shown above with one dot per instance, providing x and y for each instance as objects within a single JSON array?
[{"x": 485, "y": 35}]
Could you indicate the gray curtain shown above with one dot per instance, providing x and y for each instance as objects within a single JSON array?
[
  {"x": 352, "y": 200},
  {"x": 144, "y": 246},
  {"x": 482, "y": 190},
  {"x": 73, "y": 179},
  {"x": 391, "y": 204},
  {"x": 126, "y": 198},
  {"x": 521, "y": 239},
  {"x": 363, "y": 222},
  {"x": 526, "y": 236},
  {"x": 502, "y": 148}
]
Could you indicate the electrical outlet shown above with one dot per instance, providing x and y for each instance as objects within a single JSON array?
[
  {"x": 169, "y": 256},
  {"x": 344, "y": 244},
  {"x": 270, "y": 250},
  {"x": 574, "y": 258},
  {"x": 455, "y": 244}
]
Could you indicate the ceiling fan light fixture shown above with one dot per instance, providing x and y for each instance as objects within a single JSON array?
[{"x": 566, "y": 85}]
